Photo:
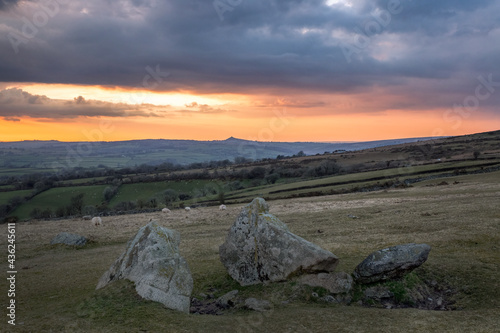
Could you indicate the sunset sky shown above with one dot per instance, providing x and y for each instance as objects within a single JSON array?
[{"x": 267, "y": 70}]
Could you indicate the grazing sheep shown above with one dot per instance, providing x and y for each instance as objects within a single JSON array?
[
  {"x": 96, "y": 221},
  {"x": 222, "y": 207},
  {"x": 87, "y": 217},
  {"x": 187, "y": 209},
  {"x": 165, "y": 210}
]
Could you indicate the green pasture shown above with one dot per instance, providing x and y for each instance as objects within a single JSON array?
[
  {"x": 345, "y": 183},
  {"x": 6, "y": 196},
  {"x": 145, "y": 191},
  {"x": 81, "y": 181},
  {"x": 60, "y": 197}
]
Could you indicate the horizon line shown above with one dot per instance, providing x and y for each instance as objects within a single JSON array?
[{"x": 215, "y": 140}]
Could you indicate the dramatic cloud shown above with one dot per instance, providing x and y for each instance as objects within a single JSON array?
[
  {"x": 203, "y": 108},
  {"x": 15, "y": 103},
  {"x": 426, "y": 53},
  {"x": 4, "y": 4}
]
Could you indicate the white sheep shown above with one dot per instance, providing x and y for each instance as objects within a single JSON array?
[
  {"x": 87, "y": 217},
  {"x": 187, "y": 209},
  {"x": 222, "y": 207},
  {"x": 165, "y": 210},
  {"x": 96, "y": 221}
]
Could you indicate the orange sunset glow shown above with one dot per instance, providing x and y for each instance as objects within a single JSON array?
[
  {"x": 157, "y": 79},
  {"x": 261, "y": 117}
]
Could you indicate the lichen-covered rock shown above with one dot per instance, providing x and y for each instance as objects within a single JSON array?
[
  {"x": 259, "y": 247},
  {"x": 152, "y": 261},
  {"x": 390, "y": 263},
  {"x": 335, "y": 283},
  {"x": 69, "y": 239}
]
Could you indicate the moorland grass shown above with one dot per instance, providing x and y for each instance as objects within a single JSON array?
[{"x": 460, "y": 221}]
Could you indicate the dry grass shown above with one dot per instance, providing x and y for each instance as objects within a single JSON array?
[{"x": 461, "y": 222}]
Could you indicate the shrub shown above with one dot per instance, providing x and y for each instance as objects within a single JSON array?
[
  {"x": 76, "y": 205},
  {"x": 221, "y": 197},
  {"x": 60, "y": 212},
  {"x": 125, "y": 206},
  {"x": 257, "y": 172},
  {"x": 46, "y": 214},
  {"x": 185, "y": 196},
  {"x": 109, "y": 192},
  {"x": 324, "y": 169},
  {"x": 89, "y": 210},
  {"x": 236, "y": 185},
  {"x": 272, "y": 178},
  {"x": 35, "y": 213},
  {"x": 169, "y": 196}
]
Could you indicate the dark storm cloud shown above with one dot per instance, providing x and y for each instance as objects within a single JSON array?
[
  {"x": 259, "y": 46},
  {"x": 4, "y": 4},
  {"x": 16, "y": 103}
]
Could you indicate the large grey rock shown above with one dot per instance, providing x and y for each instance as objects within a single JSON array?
[
  {"x": 69, "y": 239},
  {"x": 152, "y": 261},
  {"x": 259, "y": 247},
  {"x": 392, "y": 262},
  {"x": 335, "y": 283}
]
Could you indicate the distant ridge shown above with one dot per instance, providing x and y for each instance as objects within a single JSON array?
[
  {"x": 37, "y": 154},
  {"x": 233, "y": 139}
]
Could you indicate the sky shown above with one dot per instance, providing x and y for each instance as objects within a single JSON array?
[{"x": 267, "y": 70}]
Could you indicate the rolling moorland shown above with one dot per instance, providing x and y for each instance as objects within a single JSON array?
[
  {"x": 443, "y": 193},
  {"x": 25, "y": 157},
  {"x": 107, "y": 191}
]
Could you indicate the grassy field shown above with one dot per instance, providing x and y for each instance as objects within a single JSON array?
[
  {"x": 9, "y": 172},
  {"x": 55, "y": 290},
  {"x": 6, "y": 196},
  {"x": 144, "y": 191},
  {"x": 350, "y": 182},
  {"x": 202, "y": 191},
  {"x": 60, "y": 197}
]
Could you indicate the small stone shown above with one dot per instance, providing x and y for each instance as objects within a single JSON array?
[
  {"x": 335, "y": 283},
  {"x": 344, "y": 299},
  {"x": 257, "y": 304},
  {"x": 227, "y": 300},
  {"x": 329, "y": 299},
  {"x": 315, "y": 295},
  {"x": 378, "y": 293},
  {"x": 67, "y": 238}
]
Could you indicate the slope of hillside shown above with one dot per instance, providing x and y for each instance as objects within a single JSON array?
[
  {"x": 40, "y": 156},
  {"x": 141, "y": 189}
]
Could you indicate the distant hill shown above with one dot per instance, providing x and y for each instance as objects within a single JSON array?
[{"x": 46, "y": 155}]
